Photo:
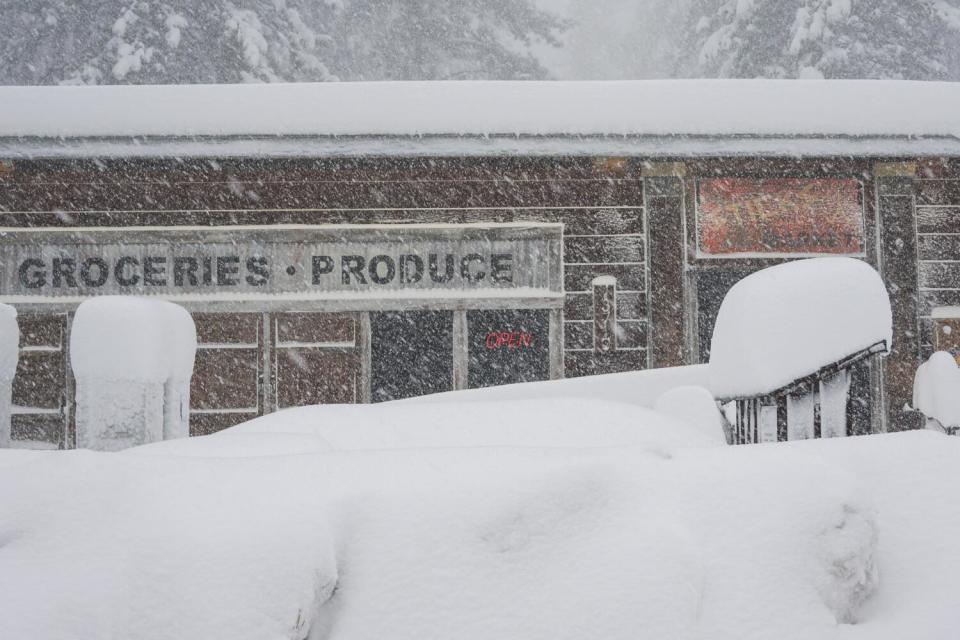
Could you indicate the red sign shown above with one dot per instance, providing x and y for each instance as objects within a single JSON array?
[
  {"x": 788, "y": 216},
  {"x": 508, "y": 340}
]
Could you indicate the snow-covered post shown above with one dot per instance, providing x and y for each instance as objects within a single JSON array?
[
  {"x": 124, "y": 350},
  {"x": 936, "y": 392},
  {"x": 9, "y": 355},
  {"x": 182, "y": 340}
]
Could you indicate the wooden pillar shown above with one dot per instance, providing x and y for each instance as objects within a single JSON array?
[
  {"x": 663, "y": 195},
  {"x": 897, "y": 259},
  {"x": 461, "y": 350}
]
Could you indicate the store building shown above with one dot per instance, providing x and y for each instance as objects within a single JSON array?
[{"x": 361, "y": 243}]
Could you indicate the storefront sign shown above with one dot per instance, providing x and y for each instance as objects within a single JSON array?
[
  {"x": 743, "y": 217},
  {"x": 329, "y": 260},
  {"x": 507, "y": 346},
  {"x": 508, "y": 340}
]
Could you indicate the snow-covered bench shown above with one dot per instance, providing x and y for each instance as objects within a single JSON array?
[{"x": 785, "y": 342}]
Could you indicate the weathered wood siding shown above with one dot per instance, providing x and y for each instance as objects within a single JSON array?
[
  {"x": 938, "y": 249},
  {"x": 599, "y": 201}
]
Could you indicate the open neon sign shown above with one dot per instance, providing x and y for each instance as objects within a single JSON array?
[{"x": 508, "y": 340}]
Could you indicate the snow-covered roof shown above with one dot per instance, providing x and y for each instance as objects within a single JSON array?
[{"x": 656, "y": 117}]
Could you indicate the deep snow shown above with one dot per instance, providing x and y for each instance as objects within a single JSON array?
[{"x": 298, "y": 523}]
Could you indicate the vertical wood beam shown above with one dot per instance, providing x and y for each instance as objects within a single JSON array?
[
  {"x": 366, "y": 358},
  {"x": 897, "y": 259},
  {"x": 461, "y": 346},
  {"x": 663, "y": 195},
  {"x": 267, "y": 396},
  {"x": 556, "y": 344}
]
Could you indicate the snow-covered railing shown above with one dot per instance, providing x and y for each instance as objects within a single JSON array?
[{"x": 810, "y": 407}]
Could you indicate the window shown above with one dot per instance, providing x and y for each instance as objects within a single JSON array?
[
  {"x": 507, "y": 347},
  {"x": 412, "y": 353}
]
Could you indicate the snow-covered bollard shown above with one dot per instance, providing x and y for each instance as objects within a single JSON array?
[
  {"x": 936, "y": 392},
  {"x": 9, "y": 356},
  {"x": 696, "y": 407},
  {"x": 124, "y": 350}
]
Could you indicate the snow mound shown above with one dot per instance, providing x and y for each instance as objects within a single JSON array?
[
  {"x": 468, "y": 543},
  {"x": 159, "y": 549},
  {"x": 786, "y": 322},
  {"x": 237, "y": 445},
  {"x": 633, "y": 387},
  {"x": 696, "y": 407},
  {"x": 936, "y": 389},
  {"x": 573, "y": 423},
  {"x": 566, "y": 553}
]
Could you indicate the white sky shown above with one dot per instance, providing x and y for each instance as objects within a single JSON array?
[{"x": 612, "y": 39}]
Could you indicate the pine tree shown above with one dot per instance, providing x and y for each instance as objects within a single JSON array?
[
  {"x": 909, "y": 39},
  {"x": 441, "y": 39},
  {"x": 169, "y": 41},
  {"x": 190, "y": 41}
]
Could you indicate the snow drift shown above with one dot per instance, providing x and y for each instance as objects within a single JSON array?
[
  {"x": 467, "y": 542},
  {"x": 786, "y": 322},
  {"x": 573, "y": 423},
  {"x": 633, "y": 387}
]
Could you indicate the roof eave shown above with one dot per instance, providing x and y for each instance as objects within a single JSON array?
[{"x": 328, "y": 146}]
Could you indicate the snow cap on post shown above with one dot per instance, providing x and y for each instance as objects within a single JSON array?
[
  {"x": 9, "y": 342},
  {"x": 786, "y": 322},
  {"x": 125, "y": 338},
  {"x": 936, "y": 389}
]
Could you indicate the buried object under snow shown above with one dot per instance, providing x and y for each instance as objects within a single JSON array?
[
  {"x": 788, "y": 322},
  {"x": 132, "y": 358},
  {"x": 461, "y": 542},
  {"x": 936, "y": 391}
]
